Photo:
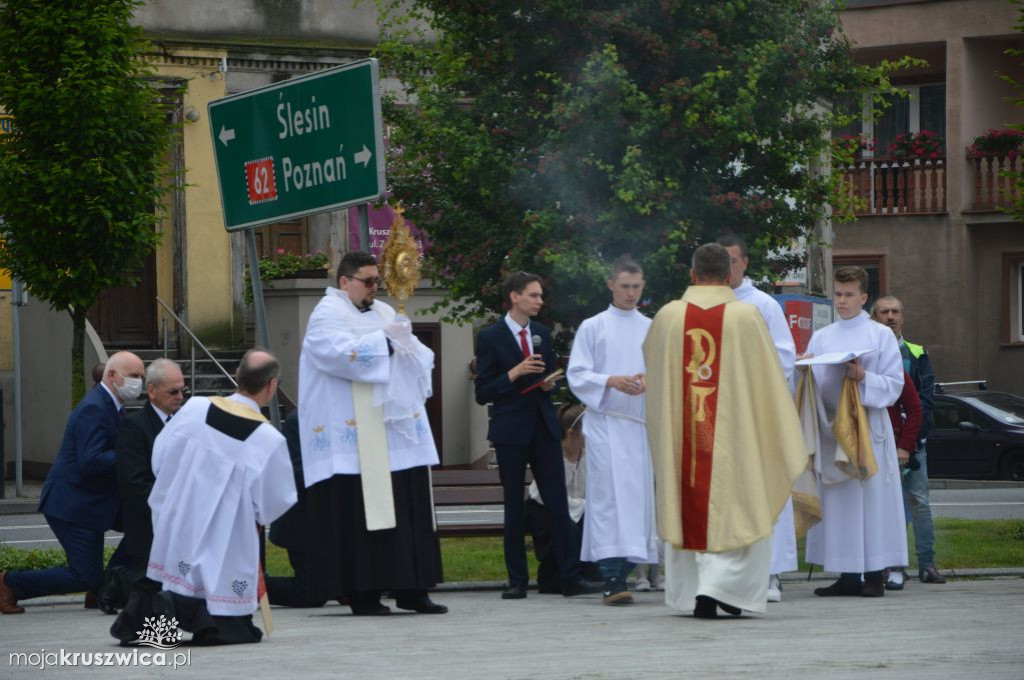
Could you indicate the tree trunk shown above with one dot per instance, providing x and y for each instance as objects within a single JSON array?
[{"x": 77, "y": 355}]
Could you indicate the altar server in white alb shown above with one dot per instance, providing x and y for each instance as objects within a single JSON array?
[
  {"x": 220, "y": 470},
  {"x": 861, "y": 530},
  {"x": 784, "y": 532},
  {"x": 367, "y": 449},
  {"x": 606, "y": 372}
]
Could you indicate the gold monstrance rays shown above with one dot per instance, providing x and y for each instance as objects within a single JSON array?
[{"x": 400, "y": 261}]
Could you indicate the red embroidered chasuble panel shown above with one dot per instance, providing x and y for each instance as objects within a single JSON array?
[{"x": 701, "y": 362}]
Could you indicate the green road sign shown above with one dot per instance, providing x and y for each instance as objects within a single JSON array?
[{"x": 299, "y": 147}]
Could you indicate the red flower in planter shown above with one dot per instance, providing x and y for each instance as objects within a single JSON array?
[{"x": 920, "y": 144}]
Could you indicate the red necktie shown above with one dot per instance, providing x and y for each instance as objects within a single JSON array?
[{"x": 522, "y": 343}]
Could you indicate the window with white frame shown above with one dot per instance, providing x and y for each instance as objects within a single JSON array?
[{"x": 924, "y": 108}]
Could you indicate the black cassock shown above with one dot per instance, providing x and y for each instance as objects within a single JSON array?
[{"x": 344, "y": 557}]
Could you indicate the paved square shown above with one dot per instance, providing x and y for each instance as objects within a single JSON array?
[{"x": 965, "y": 629}]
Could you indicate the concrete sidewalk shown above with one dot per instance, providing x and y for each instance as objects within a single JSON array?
[{"x": 966, "y": 628}]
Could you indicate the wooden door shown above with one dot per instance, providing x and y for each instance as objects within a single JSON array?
[{"x": 125, "y": 316}]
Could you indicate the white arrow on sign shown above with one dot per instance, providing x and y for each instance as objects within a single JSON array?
[
  {"x": 362, "y": 156},
  {"x": 226, "y": 135}
]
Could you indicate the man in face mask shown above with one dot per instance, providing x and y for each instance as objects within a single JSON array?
[{"x": 79, "y": 498}]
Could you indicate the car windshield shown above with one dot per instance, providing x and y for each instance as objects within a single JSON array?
[{"x": 1004, "y": 407}]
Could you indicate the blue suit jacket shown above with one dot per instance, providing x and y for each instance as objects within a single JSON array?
[
  {"x": 515, "y": 416},
  {"x": 82, "y": 485}
]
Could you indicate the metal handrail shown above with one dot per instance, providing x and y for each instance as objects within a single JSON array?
[{"x": 197, "y": 342}]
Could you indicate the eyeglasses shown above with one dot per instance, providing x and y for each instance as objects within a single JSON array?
[
  {"x": 175, "y": 391},
  {"x": 369, "y": 282}
]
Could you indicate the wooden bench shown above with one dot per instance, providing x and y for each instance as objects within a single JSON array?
[{"x": 470, "y": 487}]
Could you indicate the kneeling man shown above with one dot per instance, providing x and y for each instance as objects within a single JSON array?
[{"x": 220, "y": 469}]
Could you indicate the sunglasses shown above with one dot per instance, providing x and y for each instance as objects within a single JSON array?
[
  {"x": 175, "y": 391},
  {"x": 369, "y": 281}
]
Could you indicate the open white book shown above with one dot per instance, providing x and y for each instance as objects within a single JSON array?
[{"x": 833, "y": 358}]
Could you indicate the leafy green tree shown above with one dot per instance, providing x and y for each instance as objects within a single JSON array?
[
  {"x": 555, "y": 135},
  {"x": 83, "y": 168}
]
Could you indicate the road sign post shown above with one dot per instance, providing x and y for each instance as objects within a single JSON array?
[{"x": 300, "y": 147}]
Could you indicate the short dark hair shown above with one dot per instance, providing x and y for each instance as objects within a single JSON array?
[
  {"x": 517, "y": 283},
  {"x": 853, "y": 273},
  {"x": 884, "y": 298},
  {"x": 353, "y": 261},
  {"x": 727, "y": 240},
  {"x": 252, "y": 378},
  {"x": 626, "y": 263},
  {"x": 711, "y": 262}
]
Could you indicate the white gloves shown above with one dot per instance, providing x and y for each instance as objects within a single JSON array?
[{"x": 399, "y": 330}]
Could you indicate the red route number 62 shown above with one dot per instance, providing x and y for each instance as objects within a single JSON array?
[{"x": 259, "y": 180}]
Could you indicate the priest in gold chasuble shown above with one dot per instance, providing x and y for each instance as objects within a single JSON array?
[{"x": 726, "y": 442}]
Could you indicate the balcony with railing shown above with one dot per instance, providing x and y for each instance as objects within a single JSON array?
[
  {"x": 896, "y": 186},
  {"x": 993, "y": 180}
]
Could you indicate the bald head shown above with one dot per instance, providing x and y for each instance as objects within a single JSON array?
[
  {"x": 123, "y": 375},
  {"x": 257, "y": 375}
]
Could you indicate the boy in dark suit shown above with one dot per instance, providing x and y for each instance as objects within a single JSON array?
[{"x": 513, "y": 355}]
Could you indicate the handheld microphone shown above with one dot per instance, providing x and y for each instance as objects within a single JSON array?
[{"x": 536, "y": 342}]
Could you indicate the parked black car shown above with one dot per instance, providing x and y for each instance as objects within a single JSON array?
[{"x": 977, "y": 435}]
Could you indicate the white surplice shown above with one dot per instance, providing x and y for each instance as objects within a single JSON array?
[
  {"x": 212, "y": 488},
  {"x": 735, "y": 577},
  {"x": 620, "y": 480},
  {"x": 784, "y": 556},
  {"x": 862, "y": 525},
  {"x": 342, "y": 346}
]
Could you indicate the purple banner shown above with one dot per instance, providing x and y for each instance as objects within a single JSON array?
[{"x": 381, "y": 220}]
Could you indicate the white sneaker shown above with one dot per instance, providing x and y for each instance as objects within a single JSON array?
[
  {"x": 642, "y": 585},
  {"x": 659, "y": 583},
  {"x": 774, "y": 588}
]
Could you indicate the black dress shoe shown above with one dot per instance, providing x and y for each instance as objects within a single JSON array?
[
  {"x": 705, "y": 608},
  {"x": 581, "y": 587},
  {"x": 841, "y": 588},
  {"x": 421, "y": 605},
  {"x": 370, "y": 610},
  {"x": 729, "y": 609},
  {"x": 514, "y": 593}
]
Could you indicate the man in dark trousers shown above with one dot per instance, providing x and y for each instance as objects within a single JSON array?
[
  {"x": 165, "y": 387},
  {"x": 513, "y": 356},
  {"x": 289, "y": 532},
  {"x": 79, "y": 498}
]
